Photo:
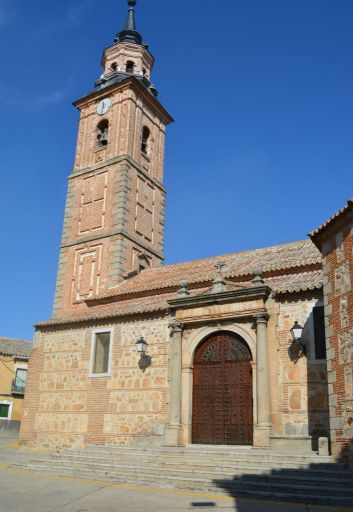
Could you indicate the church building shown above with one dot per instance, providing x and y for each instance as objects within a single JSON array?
[{"x": 227, "y": 350}]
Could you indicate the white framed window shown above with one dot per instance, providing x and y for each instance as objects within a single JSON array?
[
  {"x": 5, "y": 410},
  {"x": 101, "y": 352}
]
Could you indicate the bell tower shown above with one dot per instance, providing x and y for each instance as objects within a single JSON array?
[{"x": 114, "y": 216}]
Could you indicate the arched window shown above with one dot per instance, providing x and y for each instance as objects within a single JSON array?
[
  {"x": 102, "y": 133},
  {"x": 114, "y": 66},
  {"x": 130, "y": 66},
  {"x": 145, "y": 140}
]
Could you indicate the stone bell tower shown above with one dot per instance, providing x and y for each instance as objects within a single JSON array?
[{"x": 114, "y": 216}]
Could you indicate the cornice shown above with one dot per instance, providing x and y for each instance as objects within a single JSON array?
[
  {"x": 117, "y": 159},
  {"x": 134, "y": 83},
  {"x": 253, "y": 292}
]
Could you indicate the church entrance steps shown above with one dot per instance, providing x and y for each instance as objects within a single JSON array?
[
  {"x": 194, "y": 464},
  {"x": 203, "y": 452},
  {"x": 238, "y": 472}
]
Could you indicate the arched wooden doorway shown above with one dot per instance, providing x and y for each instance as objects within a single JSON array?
[{"x": 222, "y": 411}]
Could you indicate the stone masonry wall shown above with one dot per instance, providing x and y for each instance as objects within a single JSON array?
[
  {"x": 66, "y": 407},
  {"x": 302, "y": 407},
  {"x": 338, "y": 287}
]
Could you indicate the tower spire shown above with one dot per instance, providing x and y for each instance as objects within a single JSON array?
[
  {"x": 130, "y": 22},
  {"x": 129, "y": 34}
]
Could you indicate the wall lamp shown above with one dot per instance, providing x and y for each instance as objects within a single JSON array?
[
  {"x": 141, "y": 346},
  {"x": 297, "y": 333},
  {"x": 145, "y": 360}
]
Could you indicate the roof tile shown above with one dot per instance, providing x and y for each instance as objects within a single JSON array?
[
  {"x": 15, "y": 348},
  {"x": 240, "y": 264},
  {"x": 330, "y": 220}
]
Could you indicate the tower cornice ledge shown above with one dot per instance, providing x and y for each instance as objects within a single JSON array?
[
  {"x": 133, "y": 83},
  {"x": 115, "y": 160},
  {"x": 258, "y": 292}
]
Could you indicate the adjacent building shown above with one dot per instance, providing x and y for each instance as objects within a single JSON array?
[
  {"x": 334, "y": 238},
  {"x": 14, "y": 355}
]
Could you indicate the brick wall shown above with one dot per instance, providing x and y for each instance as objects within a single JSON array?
[
  {"x": 113, "y": 214},
  {"x": 337, "y": 248},
  {"x": 116, "y": 199}
]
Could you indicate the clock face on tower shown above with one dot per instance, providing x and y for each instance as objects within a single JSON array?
[{"x": 103, "y": 106}]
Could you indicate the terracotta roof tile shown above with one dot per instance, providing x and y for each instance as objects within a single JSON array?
[
  {"x": 15, "y": 348},
  {"x": 239, "y": 264},
  {"x": 336, "y": 216},
  {"x": 301, "y": 282},
  {"x": 124, "y": 308},
  {"x": 294, "y": 282}
]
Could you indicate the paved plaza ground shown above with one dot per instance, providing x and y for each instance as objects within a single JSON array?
[{"x": 21, "y": 491}]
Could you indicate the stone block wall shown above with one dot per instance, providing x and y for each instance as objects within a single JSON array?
[
  {"x": 66, "y": 407},
  {"x": 298, "y": 382}
]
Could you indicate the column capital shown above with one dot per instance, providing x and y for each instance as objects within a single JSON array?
[
  {"x": 175, "y": 327},
  {"x": 261, "y": 317}
]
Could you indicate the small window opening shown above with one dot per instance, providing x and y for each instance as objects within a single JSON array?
[
  {"x": 102, "y": 133},
  {"x": 145, "y": 140},
  {"x": 101, "y": 352},
  {"x": 114, "y": 66},
  {"x": 130, "y": 66},
  {"x": 319, "y": 332},
  {"x": 143, "y": 262},
  {"x": 144, "y": 72},
  {"x": 4, "y": 410},
  {"x": 20, "y": 380}
]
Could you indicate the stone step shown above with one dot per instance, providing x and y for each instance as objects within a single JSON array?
[
  {"x": 258, "y": 474},
  {"x": 235, "y": 487},
  {"x": 204, "y": 464},
  {"x": 183, "y": 455}
]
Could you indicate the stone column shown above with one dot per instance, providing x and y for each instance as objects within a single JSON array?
[
  {"x": 173, "y": 431},
  {"x": 262, "y": 430}
]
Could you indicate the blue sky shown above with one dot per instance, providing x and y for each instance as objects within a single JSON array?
[{"x": 260, "y": 152}]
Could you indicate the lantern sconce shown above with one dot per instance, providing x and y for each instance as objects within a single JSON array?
[
  {"x": 297, "y": 333},
  {"x": 145, "y": 360}
]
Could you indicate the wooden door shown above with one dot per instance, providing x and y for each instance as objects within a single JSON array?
[{"x": 222, "y": 392}]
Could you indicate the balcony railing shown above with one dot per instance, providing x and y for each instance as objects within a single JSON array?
[{"x": 17, "y": 388}]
